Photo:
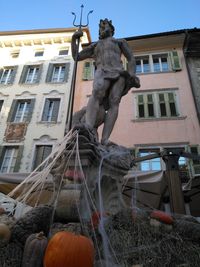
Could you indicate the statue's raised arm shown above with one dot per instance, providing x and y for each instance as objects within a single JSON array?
[{"x": 83, "y": 54}]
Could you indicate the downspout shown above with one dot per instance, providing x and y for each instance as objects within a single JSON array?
[{"x": 188, "y": 72}]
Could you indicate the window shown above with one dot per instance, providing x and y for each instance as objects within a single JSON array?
[
  {"x": 151, "y": 164},
  {"x": 14, "y": 54},
  {"x": 88, "y": 70},
  {"x": 51, "y": 109},
  {"x": 10, "y": 158},
  {"x": 1, "y": 104},
  {"x": 182, "y": 162},
  {"x": 31, "y": 74},
  {"x": 195, "y": 162},
  {"x": 157, "y": 105},
  {"x": 63, "y": 52},
  {"x": 142, "y": 65},
  {"x": 167, "y": 105},
  {"x": 7, "y": 75},
  {"x": 41, "y": 153},
  {"x": 145, "y": 106},
  {"x": 58, "y": 73},
  {"x": 158, "y": 62},
  {"x": 21, "y": 110},
  {"x": 39, "y": 53}
]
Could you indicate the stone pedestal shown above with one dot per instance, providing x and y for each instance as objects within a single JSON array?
[{"x": 101, "y": 186}]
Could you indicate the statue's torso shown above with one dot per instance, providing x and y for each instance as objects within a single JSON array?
[{"x": 107, "y": 54}]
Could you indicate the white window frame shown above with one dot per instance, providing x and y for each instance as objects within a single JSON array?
[
  {"x": 39, "y": 51},
  {"x": 63, "y": 49},
  {"x": 59, "y": 77},
  {"x": 151, "y": 64},
  {"x": 34, "y": 74},
  {"x": 12, "y": 159},
  {"x": 150, "y": 161},
  {"x": 24, "y": 111},
  {"x": 8, "y": 75}
]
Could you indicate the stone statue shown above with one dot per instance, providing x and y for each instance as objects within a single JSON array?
[{"x": 111, "y": 80}]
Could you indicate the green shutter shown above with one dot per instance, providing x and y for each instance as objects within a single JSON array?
[
  {"x": 39, "y": 73},
  {"x": 67, "y": 65},
  {"x": 23, "y": 74},
  {"x": 18, "y": 160},
  {"x": 49, "y": 73},
  {"x": 175, "y": 61},
  {"x": 13, "y": 75},
  {"x": 31, "y": 110},
  {"x": 87, "y": 70},
  {"x": 13, "y": 110}
]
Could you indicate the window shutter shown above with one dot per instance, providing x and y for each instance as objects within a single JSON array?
[
  {"x": 23, "y": 74},
  {"x": 39, "y": 150},
  {"x": 175, "y": 61},
  {"x": 2, "y": 151},
  {"x": 1, "y": 72},
  {"x": 18, "y": 160},
  {"x": 45, "y": 110},
  {"x": 30, "y": 113},
  {"x": 87, "y": 70},
  {"x": 67, "y": 65},
  {"x": 39, "y": 73},
  {"x": 13, "y": 75},
  {"x": 49, "y": 73},
  {"x": 55, "y": 110},
  {"x": 13, "y": 110}
]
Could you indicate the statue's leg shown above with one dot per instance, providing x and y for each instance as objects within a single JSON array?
[
  {"x": 100, "y": 86},
  {"x": 112, "y": 114}
]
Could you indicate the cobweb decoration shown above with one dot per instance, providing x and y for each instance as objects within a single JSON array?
[{"x": 30, "y": 191}]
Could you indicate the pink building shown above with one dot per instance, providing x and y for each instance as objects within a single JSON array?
[{"x": 161, "y": 114}]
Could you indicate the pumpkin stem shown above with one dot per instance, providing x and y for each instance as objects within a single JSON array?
[{"x": 40, "y": 235}]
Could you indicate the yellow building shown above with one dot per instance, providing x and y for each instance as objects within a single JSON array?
[{"x": 35, "y": 78}]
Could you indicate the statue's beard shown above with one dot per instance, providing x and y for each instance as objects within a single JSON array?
[{"x": 104, "y": 34}]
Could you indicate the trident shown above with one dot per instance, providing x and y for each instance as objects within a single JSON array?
[{"x": 73, "y": 83}]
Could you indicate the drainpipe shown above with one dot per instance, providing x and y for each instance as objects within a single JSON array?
[{"x": 188, "y": 72}]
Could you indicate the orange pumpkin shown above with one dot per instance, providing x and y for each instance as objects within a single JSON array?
[
  {"x": 162, "y": 216},
  {"x": 66, "y": 249}
]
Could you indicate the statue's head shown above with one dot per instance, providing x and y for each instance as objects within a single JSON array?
[{"x": 106, "y": 28}]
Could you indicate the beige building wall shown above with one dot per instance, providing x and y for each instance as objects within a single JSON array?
[{"x": 38, "y": 132}]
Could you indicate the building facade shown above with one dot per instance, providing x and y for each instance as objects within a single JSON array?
[
  {"x": 161, "y": 114},
  {"x": 35, "y": 78}
]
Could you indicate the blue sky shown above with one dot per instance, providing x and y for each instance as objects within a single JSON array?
[{"x": 130, "y": 17}]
